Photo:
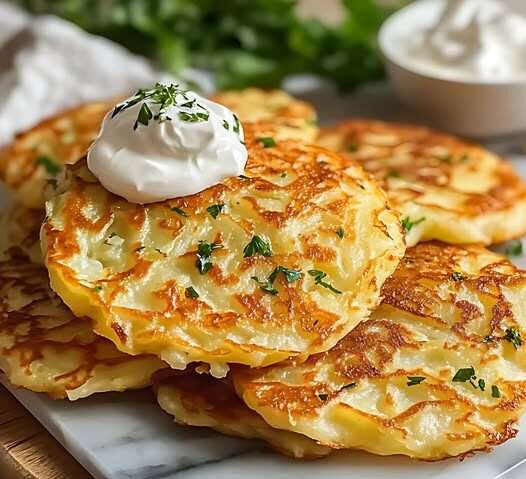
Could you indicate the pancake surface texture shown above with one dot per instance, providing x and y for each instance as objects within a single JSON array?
[
  {"x": 253, "y": 270},
  {"x": 200, "y": 400},
  {"x": 445, "y": 188},
  {"x": 275, "y": 113},
  {"x": 44, "y": 348},
  {"x": 36, "y": 156},
  {"x": 439, "y": 370}
]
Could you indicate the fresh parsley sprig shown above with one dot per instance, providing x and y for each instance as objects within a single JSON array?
[
  {"x": 204, "y": 254},
  {"x": 319, "y": 278},
  {"x": 257, "y": 245}
]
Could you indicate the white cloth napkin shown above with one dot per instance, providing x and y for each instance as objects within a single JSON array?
[{"x": 48, "y": 65}]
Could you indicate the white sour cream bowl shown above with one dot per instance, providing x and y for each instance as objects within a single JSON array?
[{"x": 471, "y": 98}]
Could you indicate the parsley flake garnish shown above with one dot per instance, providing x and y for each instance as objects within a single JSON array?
[
  {"x": 408, "y": 223},
  {"x": 180, "y": 212},
  {"x": 283, "y": 175},
  {"x": 226, "y": 126},
  {"x": 482, "y": 384},
  {"x": 322, "y": 396},
  {"x": 266, "y": 286},
  {"x": 495, "y": 392},
  {"x": 415, "y": 380},
  {"x": 165, "y": 96},
  {"x": 214, "y": 210},
  {"x": 204, "y": 253},
  {"x": 51, "y": 166},
  {"x": 190, "y": 292},
  {"x": 319, "y": 278},
  {"x": 267, "y": 142},
  {"x": 348, "y": 386},
  {"x": 464, "y": 374},
  {"x": 98, "y": 289},
  {"x": 237, "y": 125},
  {"x": 291, "y": 275},
  {"x": 514, "y": 337},
  {"x": 514, "y": 249},
  {"x": 457, "y": 276},
  {"x": 393, "y": 174},
  {"x": 340, "y": 232},
  {"x": 257, "y": 245}
]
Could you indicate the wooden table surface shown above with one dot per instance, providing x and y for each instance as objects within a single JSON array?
[{"x": 27, "y": 450}]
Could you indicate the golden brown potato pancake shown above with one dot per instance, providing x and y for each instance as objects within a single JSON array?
[
  {"x": 438, "y": 370},
  {"x": 445, "y": 188},
  {"x": 200, "y": 400},
  {"x": 252, "y": 270}
]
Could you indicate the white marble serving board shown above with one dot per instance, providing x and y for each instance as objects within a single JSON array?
[{"x": 127, "y": 436}]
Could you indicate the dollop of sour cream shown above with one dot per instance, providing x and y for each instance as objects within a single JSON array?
[
  {"x": 472, "y": 40},
  {"x": 166, "y": 143}
]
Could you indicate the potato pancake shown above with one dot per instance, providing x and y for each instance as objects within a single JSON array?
[
  {"x": 438, "y": 370},
  {"x": 199, "y": 400},
  {"x": 44, "y": 348},
  {"x": 275, "y": 112},
  {"x": 19, "y": 232},
  {"x": 37, "y": 155},
  {"x": 253, "y": 270},
  {"x": 445, "y": 188}
]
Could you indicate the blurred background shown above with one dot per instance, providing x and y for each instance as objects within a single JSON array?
[{"x": 243, "y": 42}]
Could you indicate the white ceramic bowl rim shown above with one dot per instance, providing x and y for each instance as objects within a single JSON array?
[{"x": 389, "y": 47}]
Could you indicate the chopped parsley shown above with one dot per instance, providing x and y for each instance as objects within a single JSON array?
[
  {"x": 464, "y": 374},
  {"x": 190, "y": 292},
  {"x": 51, "y": 166},
  {"x": 194, "y": 117},
  {"x": 348, "y": 386},
  {"x": 214, "y": 210},
  {"x": 283, "y": 175},
  {"x": 98, "y": 289},
  {"x": 408, "y": 223},
  {"x": 495, "y": 392},
  {"x": 165, "y": 96},
  {"x": 393, "y": 174},
  {"x": 180, "y": 212},
  {"x": 352, "y": 147},
  {"x": 414, "y": 380},
  {"x": 340, "y": 232},
  {"x": 226, "y": 126},
  {"x": 237, "y": 125},
  {"x": 514, "y": 337},
  {"x": 291, "y": 275},
  {"x": 319, "y": 278},
  {"x": 204, "y": 254},
  {"x": 267, "y": 142},
  {"x": 322, "y": 396},
  {"x": 457, "y": 276},
  {"x": 257, "y": 245},
  {"x": 266, "y": 286},
  {"x": 515, "y": 249},
  {"x": 482, "y": 384}
]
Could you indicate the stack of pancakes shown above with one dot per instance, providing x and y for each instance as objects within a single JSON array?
[{"x": 338, "y": 295}]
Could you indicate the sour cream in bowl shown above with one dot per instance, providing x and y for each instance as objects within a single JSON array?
[{"x": 460, "y": 62}]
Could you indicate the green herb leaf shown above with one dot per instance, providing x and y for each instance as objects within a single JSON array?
[
  {"x": 237, "y": 125},
  {"x": 98, "y": 289},
  {"x": 457, "y": 276},
  {"x": 226, "y": 126},
  {"x": 514, "y": 337},
  {"x": 408, "y": 224},
  {"x": 257, "y": 245},
  {"x": 348, "y": 386},
  {"x": 414, "y": 380},
  {"x": 190, "y": 292},
  {"x": 495, "y": 392},
  {"x": 266, "y": 286},
  {"x": 482, "y": 384},
  {"x": 464, "y": 374},
  {"x": 393, "y": 174},
  {"x": 144, "y": 117},
  {"x": 215, "y": 210},
  {"x": 323, "y": 397},
  {"x": 513, "y": 250},
  {"x": 340, "y": 232},
  {"x": 193, "y": 117},
  {"x": 267, "y": 142},
  {"x": 319, "y": 278},
  {"x": 291, "y": 275},
  {"x": 180, "y": 212},
  {"x": 51, "y": 166},
  {"x": 204, "y": 253}
]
